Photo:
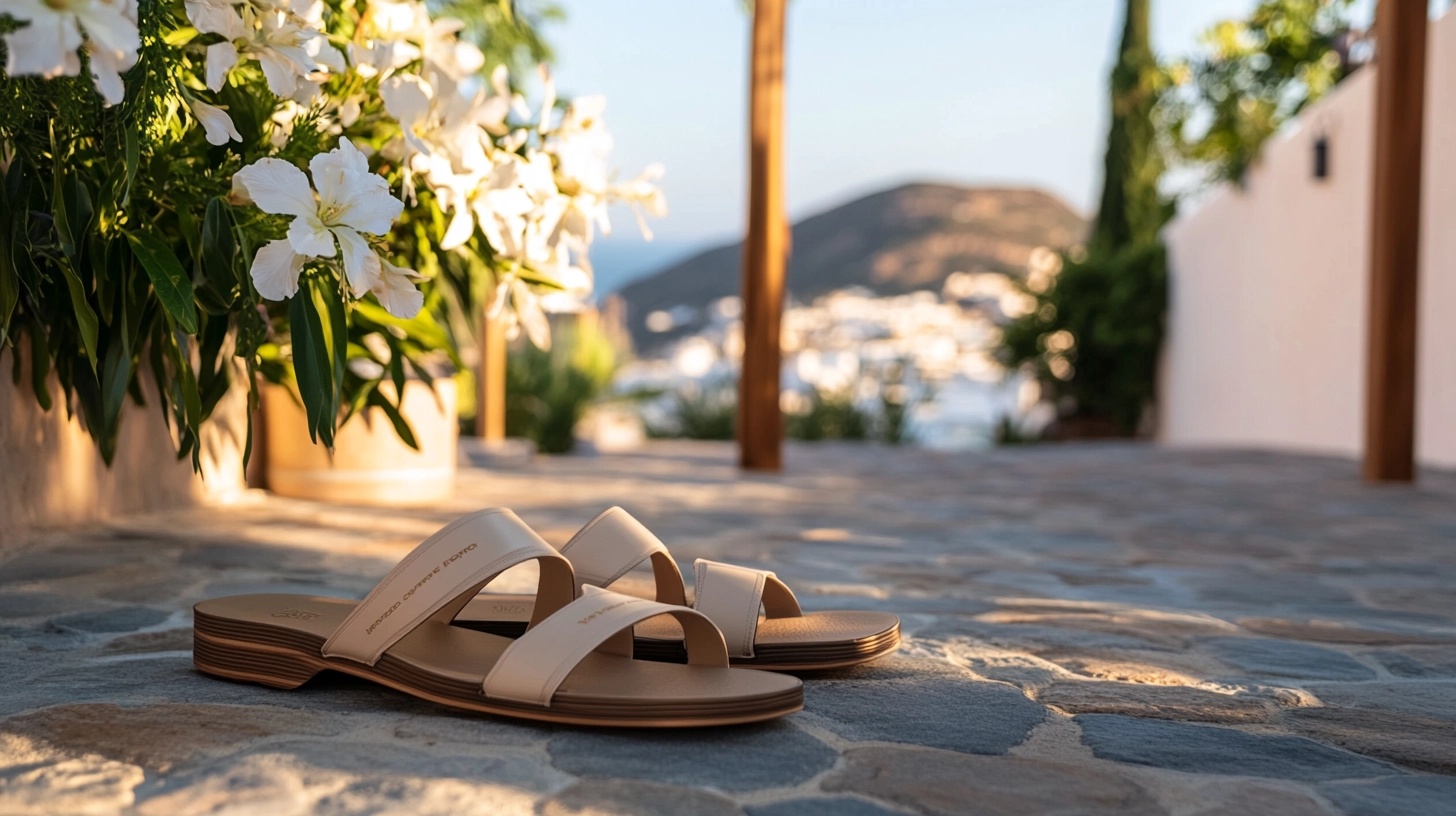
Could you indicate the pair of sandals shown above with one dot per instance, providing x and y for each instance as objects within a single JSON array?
[{"x": 567, "y": 655}]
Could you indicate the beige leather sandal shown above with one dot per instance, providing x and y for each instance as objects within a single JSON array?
[
  {"x": 573, "y": 664},
  {"x": 758, "y": 614}
]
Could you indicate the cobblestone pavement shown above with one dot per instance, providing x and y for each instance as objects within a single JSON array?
[{"x": 1090, "y": 629}]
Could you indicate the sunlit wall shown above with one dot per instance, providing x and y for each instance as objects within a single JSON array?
[{"x": 1267, "y": 324}]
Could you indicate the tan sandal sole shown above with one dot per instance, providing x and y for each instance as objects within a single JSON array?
[{"x": 271, "y": 640}]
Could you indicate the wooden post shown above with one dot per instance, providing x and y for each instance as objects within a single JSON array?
[
  {"x": 490, "y": 382},
  {"x": 765, "y": 248},
  {"x": 1390, "y": 384}
]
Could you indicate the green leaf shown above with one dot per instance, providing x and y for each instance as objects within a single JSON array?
[
  {"x": 186, "y": 380},
  {"x": 133, "y": 159},
  {"x": 40, "y": 365},
  {"x": 333, "y": 302},
  {"x": 215, "y": 370},
  {"x": 138, "y": 307},
  {"x": 169, "y": 279},
  {"x": 116, "y": 373},
  {"x": 187, "y": 225},
  {"x": 9, "y": 284},
  {"x": 217, "y": 288},
  {"x": 396, "y": 369},
  {"x": 79, "y": 209},
  {"x": 86, "y": 320},
  {"x": 401, "y": 427},
  {"x": 360, "y": 397},
  {"x": 313, "y": 361},
  {"x": 219, "y": 250},
  {"x": 28, "y": 273},
  {"x": 15, "y": 183},
  {"x": 179, "y": 36},
  {"x": 421, "y": 371},
  {"x": 158, "y": 363},
  {"x": 58, "y": 213},
  {"x": 535, "y": 278},
  {"x": 422, "y": 329}
]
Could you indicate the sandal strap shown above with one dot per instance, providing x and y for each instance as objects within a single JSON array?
[
  {"x": 614, "y": 543},
  {"x": 535, "y": 664},
  {"x": 732, "y": 597},
  {"x": 440, "y": 576}
]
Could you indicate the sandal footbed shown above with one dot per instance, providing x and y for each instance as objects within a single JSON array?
[{"x": 815, "y": 640}]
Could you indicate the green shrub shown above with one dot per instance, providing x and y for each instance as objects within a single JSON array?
[
  {"x": 710, "y": 411},
  {"x": 896, "y": 401},
  {"x": 700, "y": 412},
  {"x": 1250, "y": 76},
  {"x": 1094, "y": 336},
  {"x": 831, "y": 415},
  {"x": 548, "y": 391}
]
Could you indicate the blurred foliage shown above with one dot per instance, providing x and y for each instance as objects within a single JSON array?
[
  {"x": 700, "y": 411},
  {"x": 895, "y": 404},
  {"x": 710, "y": 411},
  {"x": 1253, "y": 75},
  {"x": 831, "y": 415},
  {"x": 1132, "y": 208},
  {"x": 1008, "y": 432},
  {"x": 508, "y": 32},
  {"x": 1092, "y": 339},
  {"x": 549, "y": 390},
  {"x": 1094, "y": 336}
]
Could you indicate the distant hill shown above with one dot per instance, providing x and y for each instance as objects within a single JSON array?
[{"x": 895, "y": 241}]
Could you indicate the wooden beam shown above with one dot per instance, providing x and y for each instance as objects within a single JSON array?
[
  {"x": 765, "y": 248},
  {"x": 490, "y": 381},
  {"x": 1390, "y": 384}
]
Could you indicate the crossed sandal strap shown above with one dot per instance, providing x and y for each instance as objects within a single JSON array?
[
  {"x": 614, "y": 543},
  {"x": 535, "y": 664},
  {"x": 442, "y": 574},
  {"x": 732, "y": 597}
]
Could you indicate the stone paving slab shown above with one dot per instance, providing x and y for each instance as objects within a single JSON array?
[{"x": 1092, "y": 629}]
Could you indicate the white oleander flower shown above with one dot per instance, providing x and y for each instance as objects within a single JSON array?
[
  {"x": 397, "y": 291},
  {"x": 288, "y": 52},
  {"x": 47, "y": 45},
  {"x": 447, "y": 53},
  {"x": 583, "y": 146},
  {"x": 454, "y": 192},
  {"x": 510, "y": 206},
  {"x": 527, "y": 314},
  {"x": 398, "y": 20},
  {"x": 215, "y": 122},
  {"x": 283, "y": 119},
  {"x": 381, "y": 58},
  {"x": 107, "y": 66},
  {"x": 217, "y": 17},
  {"x": 393, "y": 35},
  {"x": 349, "y": 201},
  {"x": 581, "y": 150},
  {"x": 643, "y": 196},
  {"x": 437, "y": 120}
]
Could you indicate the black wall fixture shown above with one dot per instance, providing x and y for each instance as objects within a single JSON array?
[{"x": 1322, "y": 157}]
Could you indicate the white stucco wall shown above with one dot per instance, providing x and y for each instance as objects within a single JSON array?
[
  {"x": 1436, "y": 397},
  {"x": 1266, "y": 344}
]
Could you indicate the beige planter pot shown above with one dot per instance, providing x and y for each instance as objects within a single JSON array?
[
  {"x": 52, "y": 475},
  {"x": 369, "y": 465}
]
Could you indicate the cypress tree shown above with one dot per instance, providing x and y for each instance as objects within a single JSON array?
[{"x": 1131, "y": 210}]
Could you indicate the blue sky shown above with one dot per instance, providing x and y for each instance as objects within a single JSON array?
[{"x": 879, "y": 92}]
